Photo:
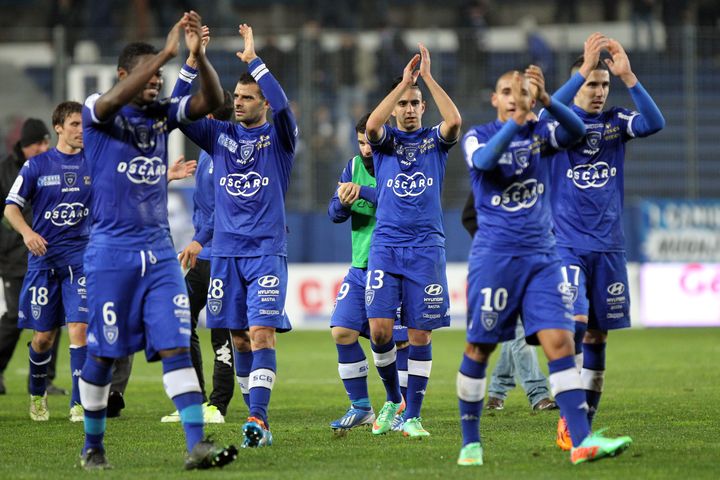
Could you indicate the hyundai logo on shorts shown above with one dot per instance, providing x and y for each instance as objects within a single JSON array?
[
  {"x": 269, "y": 281},
  {"x": 617, "y": 288},
  {"x": 434, "y": 289},
  {"x": 181, "y": 300}
]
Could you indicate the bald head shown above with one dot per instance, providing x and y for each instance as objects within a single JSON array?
[{"x": 505, "y": 77}]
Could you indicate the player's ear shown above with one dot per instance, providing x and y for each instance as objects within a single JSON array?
[
  {"x": 57, "y": 128},
  {"x": 122, "y": 73},
  {"x": 493, "y": 100}
]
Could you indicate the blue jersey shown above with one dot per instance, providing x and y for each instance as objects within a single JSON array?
[
  {"x": 204, "y": 205},
  {"x": 251, "y": 175},
  {"x": 410, "y": 168},
  {"x": 588, "y": 183},
  {"x": 127, "y": 155},
  {"x": 511, "y": 199},
  {"x": 59, "y": 187}
]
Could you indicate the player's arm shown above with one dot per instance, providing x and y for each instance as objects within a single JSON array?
[
  {"x": 375, "y": 129},
  {"x": 649, "y": 120},
  {"x": 33, "y": 241},
  {"x": 571, "y": 128},
  {"x": 181, "y": 168},
  {"x": 452, "y": 121},
  {"x": 368, "y": 193},
  {"x": 283, "y": 117},
  {"x": 123, "y": 92},
  {"x": 189, "y": 72},
  {"x": 210, "y": 95}
]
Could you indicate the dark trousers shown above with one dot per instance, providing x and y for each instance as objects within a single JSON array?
[
  {"x": 198, "y": 282},
  {"x": 9, "y": 331}
]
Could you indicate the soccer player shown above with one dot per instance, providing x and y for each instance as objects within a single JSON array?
[
  {"x": 516, "y": 356},
  {"x": 406, "y": 264},
  {"x": 252, "y": 161},
  {"x": 136, "y": 294},
  {"x": 57, "y": 185},
  {"x": 587, "y": 200},
  {"x": 513, "y": 267},
  {"x": 355, "y": 199},
  {"x": 197, "y": 277}
]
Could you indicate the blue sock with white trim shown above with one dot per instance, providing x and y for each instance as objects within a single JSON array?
[
  {"x": 593, "y": 376},
  {"x": 471, "y": 383},
  {"x": 262, "y": 381},
  {"x": 94, "y": 388},
  {"x": 353, "y": 370},
  {"x": 38, "y": 370},
  {"x": 385, "y": 361},
  {"x": 402, "y": 355},
  {"x": 182, "y": 386},
  {"x": 77, "y": 360},
  {"x": 419, "y": 367},
  {"x": 243, "y": 365},
  {"x": 580, "y": 329},
  {"x": 570, "y": 397}
]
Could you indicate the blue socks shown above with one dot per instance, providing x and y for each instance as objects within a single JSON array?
[
  {"x": 243, "y": 365},
  {"x": 38, "y": 370},
  {"x": 353, "y": 370},
  {"x": 580, "y": 329},
  {"x": 262, "y": 380},
  {"x": 77, "y": 360},
  {"x": 593, "y": 375},
  {"x": 419, "y": 367},
  {"x": 182, "y": 386},
  {"x": 94, "y": 387},
  {"x": 385, "y": 362},
  {"x": 471, "y": 382},
  {"x": 570, "y": 397}
]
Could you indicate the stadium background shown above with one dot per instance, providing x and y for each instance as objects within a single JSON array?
[{"x": 336, "y": 59}]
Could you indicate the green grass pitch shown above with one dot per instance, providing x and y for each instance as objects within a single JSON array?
[{"x": 662, "y": 387}]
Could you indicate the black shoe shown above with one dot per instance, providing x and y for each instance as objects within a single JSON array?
[
  {"x": 495, "y": 403},
  {"x": 116, "y": 402},
  {"x": 206, "y": 454},
  {"x": 53, "y": 389},
  {"x": 2, "y": 385},
  {"x": 94, "y": 459}
]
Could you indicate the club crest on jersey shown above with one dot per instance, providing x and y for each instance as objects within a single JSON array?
[
  {"x": 591, "y": 175},
  {"x": 214, "y": 305},
  {"x": 36, "y": 311},
  {"x": 488, "y": 320},
  {"x": 593, "y": 139},
  {"x": 143, "y": 170},
  {"x": 70, "y": 178},
  {"x": 522, "y": 157},
  {"x": 568, "y": 291},
  {"x": 244, "y": 184},
  {"x": 110, "y": 332},
  {"x": 246, "y": 153},
  {"x": 143, "y": 138},
  {"x": 369, "y": 296},
  {"x": 519, "y": 195},
  {"x": 409, "y": 185}
]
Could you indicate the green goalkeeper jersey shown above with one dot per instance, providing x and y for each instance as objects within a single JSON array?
[{"x": 363, "y": 216}]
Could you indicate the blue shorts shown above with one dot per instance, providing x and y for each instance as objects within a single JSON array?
[
  {"x": 138, "y": 300},
  {"x": 599, "y": 285},
  {"x": 248, "y": 291},
  {"x": 413, "y": 278},
  {"x": 349, "y": 310},
  {"x": 501, "y": 287},
  {"x": 50, "y": 298}
]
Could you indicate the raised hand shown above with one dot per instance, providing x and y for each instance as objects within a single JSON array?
[
  {"x": 410, "y": 75},
  {"x": 521, "y": 94},
  {"x": 181, "y": 169},
  {"x": 248, "y": 54},
  {"x": 535, "y": 76},
  {"x": 594, "y": 45},
  {"x": 193, "y": 33},
  {"x": 424, "y": 61},
  {"x": 205, "y": 37},
  {"x": 619, "y": 63}
]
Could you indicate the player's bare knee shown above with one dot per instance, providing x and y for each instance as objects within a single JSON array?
[
  {"x": 580, "y": 318},
  {"x": 419, "y": 337},
  {"x": 43, "y": 341},
  {"x": 344, "y": 336},
  {"x": 595, "y": 337},
  {"x": 262, "y": 337},
  {"x": 172, "y": 352},
  {"x": 557, "y": 343},
  {"x": 479, "y": 352},
  {"x": 241, "y": 340},
  {"x": 77, "y": 333},
  {"x": 401, "y": 345}
]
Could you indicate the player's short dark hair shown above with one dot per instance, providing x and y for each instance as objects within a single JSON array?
[
  {"x": 225, "y": 111},
  {"x": 397, "y": 82},
  {"x": 64, "y": 110},
  {"x": 600, "y": 65},
  {"x": 247, "y": 79},
  {"x": 361, "y": 125},
  {"x": 132, "y": 52}
]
